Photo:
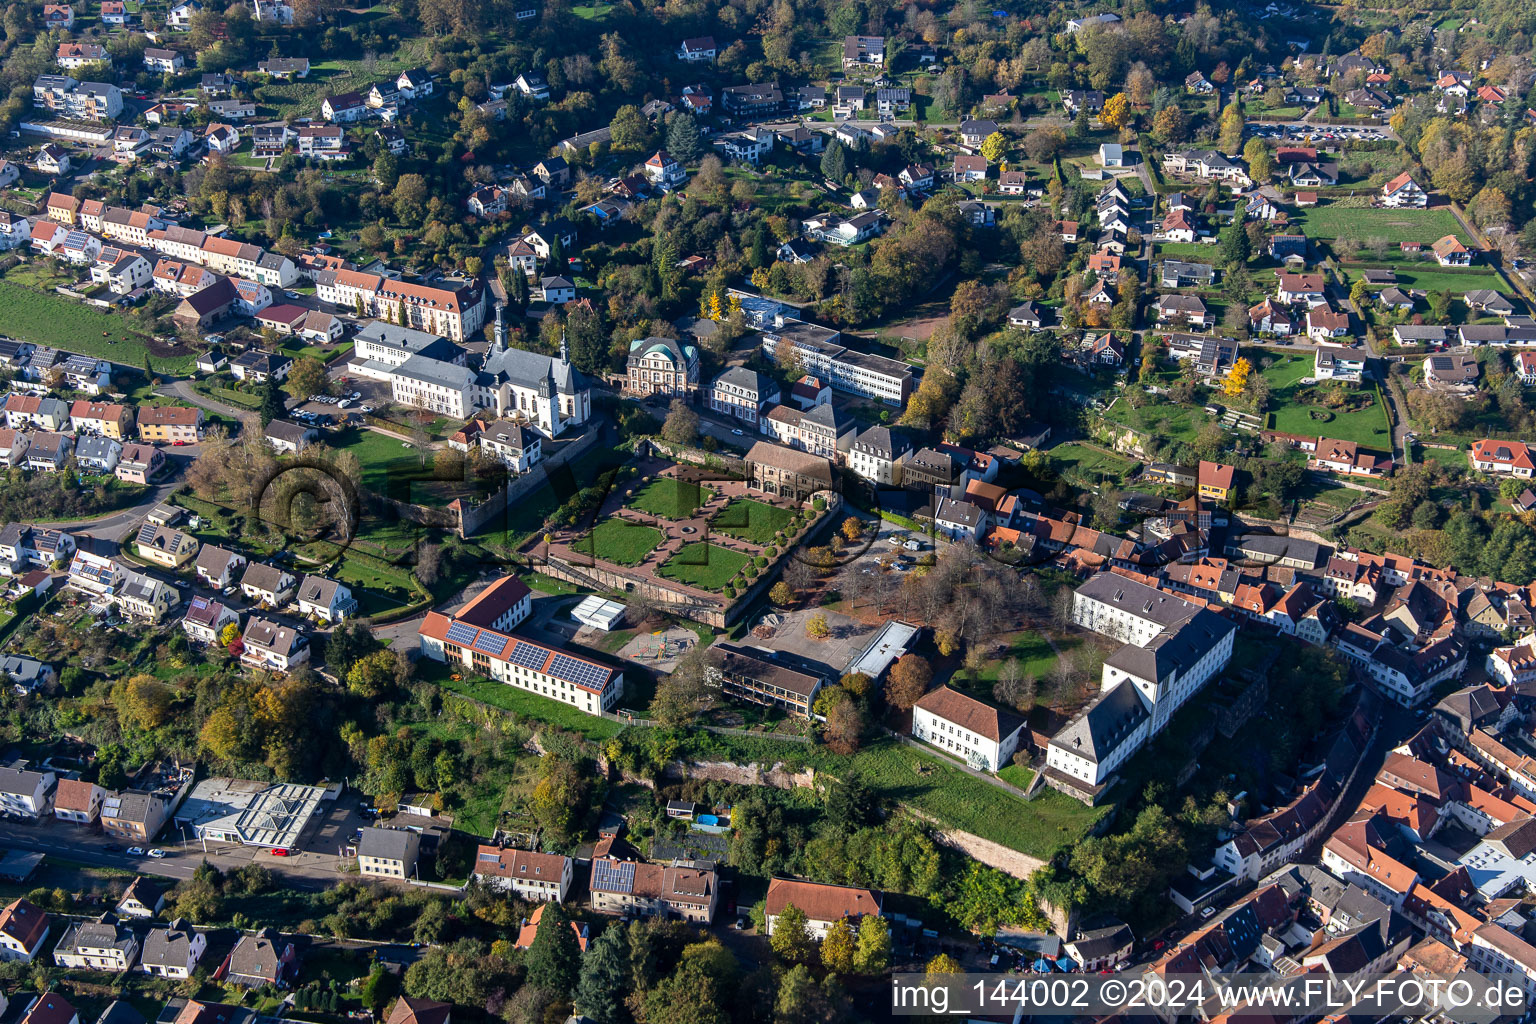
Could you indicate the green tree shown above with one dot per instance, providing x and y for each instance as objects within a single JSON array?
[
  {"x": 791, "y": 938},
  {"x": 1260, "y": 163},
  {"x": 1235, "y": 248},
  {"x": 604, "y": 973},
  {"x": 689, "y": 995},
  {"x": 307, "y": 377},
  {"x": 683, "y": 139},
  {"x": 554, "y": 959},
  {"x": 834, "y": 162},
  {"x": 873, "y": 954},
  {"x": 631, "y": 131},
  {"x": 272, "y": 404}
]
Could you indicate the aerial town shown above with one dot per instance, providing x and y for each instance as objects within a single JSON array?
[{"x": 537, "y": 512}]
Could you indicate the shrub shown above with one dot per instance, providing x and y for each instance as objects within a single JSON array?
[
  {"x": 761, "y": 561},
  {"x": 819, "y": 504},
  {"x": 729, "y": 591}
]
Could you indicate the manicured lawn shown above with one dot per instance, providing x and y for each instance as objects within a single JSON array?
[
  {"x": 1337, "y": 495},
  {"x": 1367, "y": 426},
  {"x": 44, "y": 318},
  {"x": 380, "y": 456},
  {"x": 671, "y": 499},
  {"x": 1360, "y": 223},
  {"x": 751, "y": 520},
  {"x": 1033, "y": 653},
  {"x": 703, "y": 565},
  {"x": 1285, "y": 371},
  {"x": 1177, "y": 422},
  {"x": 1449, "y": 458},
  {"x": 1090, "y": 460},
  {"x": 620, "y": 542},
  {"x": 1186, "y": 251},
  {"x": 1016, "y": 775},
  {"x": 1434, "y": 279}
]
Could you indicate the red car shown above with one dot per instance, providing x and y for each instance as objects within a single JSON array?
[{"x": 279, "y": 853}]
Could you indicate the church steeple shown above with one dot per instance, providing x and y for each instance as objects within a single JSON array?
[{"x": 500, "y": 331}]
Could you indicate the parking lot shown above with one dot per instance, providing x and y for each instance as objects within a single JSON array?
[{"x": 1298, "y": 132}]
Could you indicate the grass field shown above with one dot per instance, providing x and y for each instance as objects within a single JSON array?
[
  {"x": 1016, "y": 775},
  {"x": 1434, "y": 279},
  {"x": 1366, "y": 426},
  {"x": 1451, "y": 459},
  {"x": 1197, "y": 251},
  {"x": 1073, "y": 455},
  {"x": 671, "y": 499},
  {"x": 620, "y": 542},
  {"x": 532, "y": 705},
  {"x": 1336, "y": 495},
  {"x": 751, "y": 520},
  {"x": 703, "y": 565},
  {"x": 1033, "y": 652},
  {"x": 380, "y": 457},
  {"x": 44, "y": 318},
  {"x": 1178, "y": 422},
  {"x": 1361, "y": 223}
]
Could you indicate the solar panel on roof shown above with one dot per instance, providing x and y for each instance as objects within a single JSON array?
[
  {"x": 582, "y": 673},
  {"x": 146, "y": 533},
  {"x": 462, "y": 634},
  {"x": 490, "y": 643},
  {"x": 613, "y": 877},
  {"x": 528, "y": 655}
]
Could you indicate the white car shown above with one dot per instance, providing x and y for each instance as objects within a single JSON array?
[
  {"x": 157, "y": 854},
  {"x": 738, "y": 433},
  {"x": 344, "y": 403},
  {"x": 135, "y": 851}
]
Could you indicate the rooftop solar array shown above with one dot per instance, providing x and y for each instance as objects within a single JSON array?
[
  {"x": 582, "y": 673},
  {"x": 528, "y": 655},
  {"x": 462, "y": 634},
  {"x": 608, "y": 876},
  {"x": 490, "y": 643},
  {"x": 147, "y": 533}
]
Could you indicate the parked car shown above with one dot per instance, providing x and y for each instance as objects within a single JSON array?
[
  {"x": 135, "y": 851},
  {"x": 157, "y": 854}
]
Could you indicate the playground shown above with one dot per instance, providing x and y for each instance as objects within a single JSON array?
[{"x": 660, "y": 650}]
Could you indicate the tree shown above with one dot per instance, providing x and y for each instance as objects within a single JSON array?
[
  {"x": 873, "y": 955},
  {"x": 1230, "y": 137},
  {"x": 834, "y": 162},
  {"x": 908, "y": 681},
  {"x": 816, "y": 626},
  {"x": 1117, "y": 111},
  {"x": 1237, "y": 378},
  {"x": 1235, "y": 248},
  {"x": 994, "y": 147},
  {"x": 1260, "y": 164},
  {"x": 683, "y": 140},
  {"x": 272, "y": 404},
  {"x": 1170, "y": 125},
  {"x": 307, "y": 377},
  {"x": 631, "y": 131},
  {"x": 791, "y": 936},
  {"x": 1042, "y": 144},
  {"x": 682, "y": 424},
  {"x": 782, "y": 594},
  {"x": 604, "y": 978},
  {"x": 838, "y": 949},
  {"x": 554, "y": 958}
]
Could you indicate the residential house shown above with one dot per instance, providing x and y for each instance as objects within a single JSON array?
[
  {"x": 267, "y": 585},
  {"x": 742, "y": 394},
  {"x": 662, "y": 366},
  {"x": 685, "y": 889},
  {"x": 172, "y": 952},
  {"x": 1511, "y": 458},
  {"x": 99, "y": 945},
  {"x": 164, "y": 546},
  {"x": 535, "y": 877},
  {"x": 206, "y": 620},
  {"x": 1403, "y": 191},
  {"x": 258, "y": 960},
  {"x": 325, "y": 599},
  {"x": 1450, "y": 252},
  {"x": 388, "y": 852},
  {"x": 77, "y": 801},
  {"x": 824, "y": 906},
  {"x": 170, "y": 424},
  {"x": 23, "y": 928},
  {"x": 272, "y": 646}
]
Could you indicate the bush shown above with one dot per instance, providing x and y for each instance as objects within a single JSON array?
[
  {"x": 819, "y": 504},
  {"x": 729, "y": 591},
  {"x": 750, "y": 570},
  {"x": 761, "y": 561},
  {"x": 771, "y": 551}
]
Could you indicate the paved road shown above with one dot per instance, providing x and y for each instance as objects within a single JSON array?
[{"x": 183, "y": 390}]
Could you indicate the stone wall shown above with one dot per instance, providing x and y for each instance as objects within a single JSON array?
[{"x": 472, "y": 517}]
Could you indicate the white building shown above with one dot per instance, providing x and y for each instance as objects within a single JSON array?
[
  {"x": 24, "y": 794},
  {"x": 477, "y": 638},
  {"x": 1172, "y": 648},
  {"x": 535, "y": 877},
  {"x": 981, "y": 735}
]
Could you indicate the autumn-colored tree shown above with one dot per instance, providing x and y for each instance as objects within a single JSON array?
[
  {"x": 853, "y": 528},
  {"x": 1260, "y": 164},
  {"x": 1117, "y": 111},
  {"x": 1237, "y": 378},
  {"x": 837, "y": 949},
  {"x": 816, "y": 626},
  {"x": 908, "y": 681},
  {"x": 1170, "y": 124},
  {"x": 994, "y": 147},
  {"x": 782, "y": 594},
  {"x": 229, "y": 634},
  {"x": 1230, "y": 138}
]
